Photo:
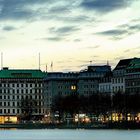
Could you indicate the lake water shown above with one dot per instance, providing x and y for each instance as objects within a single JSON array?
[{"x": 55, "y": 134}]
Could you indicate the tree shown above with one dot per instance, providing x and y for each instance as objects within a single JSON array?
[{"x": 28, "y": 108}]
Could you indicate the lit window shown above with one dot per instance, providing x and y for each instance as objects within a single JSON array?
[{"x": 73, "y": 87}]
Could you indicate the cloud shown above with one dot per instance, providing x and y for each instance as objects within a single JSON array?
[
  {"x": 93, "y": 47},
  {"x": 52, "y": 38},
  {"x": 126, "y": 51},
  {"x": 102, "y": 6},
  {"x": 59, "y": 34},
  {"x": 18, "y": 9},
  {"x": 63, "y": 30},
  {"x": 115, "y": 32},
  {"x": 60, "y": 9},
  {"x": 77, "y": 40},
  {"x": 121, "y": 31},
  {"x": 8, "y": 28},
  {"x": 1, "y": 38}
]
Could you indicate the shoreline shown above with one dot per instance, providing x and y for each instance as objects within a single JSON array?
[{"x": 122, "y": 125}]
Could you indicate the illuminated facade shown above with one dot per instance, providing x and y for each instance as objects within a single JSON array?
[{"x": 21, "y": 92}]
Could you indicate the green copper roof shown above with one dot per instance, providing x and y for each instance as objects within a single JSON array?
[
  {"x": 6, "y": 73},
  {"x": 134, "y": 64}
]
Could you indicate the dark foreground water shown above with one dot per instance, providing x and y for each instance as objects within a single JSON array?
[{"x": 46, "y": 134}]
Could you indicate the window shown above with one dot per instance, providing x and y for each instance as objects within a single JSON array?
[
  {"x": 13, "y": 97},
  {"x": 4, "y": 96},
  {"x": 35, "y": 90},
  {"x": 18, "y": 104},
  {"x": 17, "y": 90},
  {"x": 73, "y": 87},
  {"x": 13, "y": 103},
  {"x": 13, "y": 111},
  {"x": 8, "y": 103},
  {"x": 4, "y": 103},
  {"x": 22, "y": 91},
  {"x": 4, "y": 90},
  {"x": 35, "y": 96},
  {"x": 39, "y": 96},
  {"x": 17, "y": 110},
  {"x": 17, "y": 96}
]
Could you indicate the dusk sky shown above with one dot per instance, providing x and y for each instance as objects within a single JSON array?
[{"x": 69, "y": 33}]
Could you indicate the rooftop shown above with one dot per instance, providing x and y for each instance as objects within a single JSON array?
[
  {"x": 123, "y": 64},
  {"x": 21, "y": 73},
  {"x": 134, "y": 64}
]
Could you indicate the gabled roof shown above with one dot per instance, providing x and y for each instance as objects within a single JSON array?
[
  {"x": 123, "y": 64},
  {"x": 21, "y": 73}
]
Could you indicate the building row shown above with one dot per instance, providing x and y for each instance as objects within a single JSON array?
[{"x": 31, "y": 92}]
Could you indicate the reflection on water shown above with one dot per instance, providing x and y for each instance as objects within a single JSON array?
[
  {"x": 8, "y": 128},
  {"x": 55, "y": 134}
]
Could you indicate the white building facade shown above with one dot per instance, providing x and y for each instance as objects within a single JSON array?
[{"x": 21, "y": 92}]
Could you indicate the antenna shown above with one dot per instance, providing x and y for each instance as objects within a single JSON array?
[
  {"x": 107, "y": 63},
  {"x": 1, "y": 60},
  {"x": 46, "y": 67},
  {"x": 39, "y": 60},
  {"x": 51, "y": 66}
]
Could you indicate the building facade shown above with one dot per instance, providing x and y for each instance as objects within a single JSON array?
[
  {"x": 88, "y": 80},
  {"x": 21, "y": 94},
  {"x": 105, "y": 85},
  {"x": 118, "y": 79},
  {"x": 132, "y": 77},
  {"x": 59, "y": 84}
]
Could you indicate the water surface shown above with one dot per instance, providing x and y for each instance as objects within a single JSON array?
[{"x": 56, "y": 134}]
